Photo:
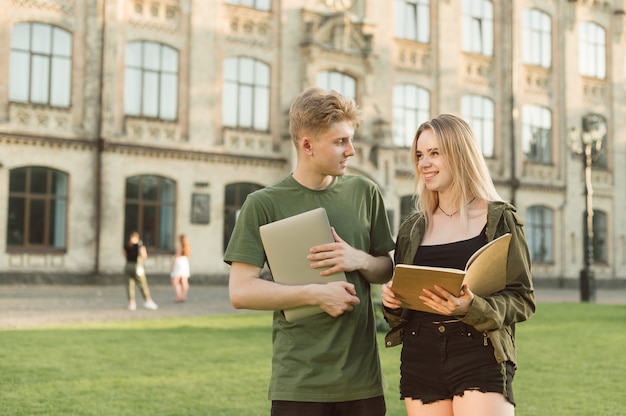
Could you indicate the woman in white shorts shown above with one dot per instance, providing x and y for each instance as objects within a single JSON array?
[{"x": 179, "y": 274}]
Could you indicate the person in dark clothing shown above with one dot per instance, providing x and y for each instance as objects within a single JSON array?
[{"x": 135, "y": 253}]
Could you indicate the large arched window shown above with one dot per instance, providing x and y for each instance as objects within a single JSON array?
[
  {"x": 37, "y": 208},
  {"x": 411, "y": 107},
  {"x": 150, "y": 209},
  {"x": 478, "y": 111},
  {"x": 539, "y": 227},
  {"x": 235, "y": 195},
  {"x": 592, "y": 50},
  {"x": 263, "y": 5},
  {"x": 477, "y": 27},
  {"x": 40, "y": 65},
  {"x": 151, "y": 80},
  {"x": 537, "y": 38},
  {"x": 246, "y": 98},
  {"x": 413, "y": 20},
  {"x": 342, "y": 83},
  {"x": 537, "y": 134}
]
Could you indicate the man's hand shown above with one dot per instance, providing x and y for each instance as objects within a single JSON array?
[
  {"x": 336, "y": 298},
  {"x": 338, "y": 256}
]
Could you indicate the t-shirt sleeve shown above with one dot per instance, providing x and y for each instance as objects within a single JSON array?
[{"x": 245, "y": 244}]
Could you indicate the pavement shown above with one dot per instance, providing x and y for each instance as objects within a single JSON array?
[{"x": 44, "y": 305}]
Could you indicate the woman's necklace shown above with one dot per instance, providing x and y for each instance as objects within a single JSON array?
[{"x": 455, "y": 212}]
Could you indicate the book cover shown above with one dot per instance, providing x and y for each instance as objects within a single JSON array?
[{"x": 485, "y": 273}]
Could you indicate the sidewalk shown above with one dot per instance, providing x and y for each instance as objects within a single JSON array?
[{"x": 33, "y": 305}]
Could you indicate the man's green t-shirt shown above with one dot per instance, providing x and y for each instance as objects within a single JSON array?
[{"x": 320, "y": 358}]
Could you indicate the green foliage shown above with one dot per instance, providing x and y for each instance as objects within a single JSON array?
[{"x": 571, "y": 362}]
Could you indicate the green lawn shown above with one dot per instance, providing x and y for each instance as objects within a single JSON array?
[{"x": 571, "y": 356}]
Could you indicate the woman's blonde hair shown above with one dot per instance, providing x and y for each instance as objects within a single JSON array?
[
  {"x": 314, "y": 110},
  {"x": 470, "y": 176}
]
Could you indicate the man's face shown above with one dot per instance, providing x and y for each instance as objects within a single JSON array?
[{"x": 331, "y": 150}]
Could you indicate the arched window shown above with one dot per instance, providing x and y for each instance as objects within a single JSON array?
[
  {"x": 235, "y": 195},
  {"x": 592, "y": 50},
  {"x": 537, "y": 134},
  {"x": 150, "y": 209},
  {"x": 539, "y": 228},
  {"x": 477, "y": 27},
  {"x": 411, "y": 107},
  {"x": 342, "y": 83},
  {"x": 40, "y": 65},
  {"x": 246, "y": 98},
  {"x": 413, "y": 20},
  {"x": 37, "y": 208},
  {"x": 151, "y": 80},
  {"x": 478, "y": 111},
  {"x": 537, "y": 38}
]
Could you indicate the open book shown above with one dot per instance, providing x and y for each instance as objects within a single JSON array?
[{"x": 484, "y": 274}]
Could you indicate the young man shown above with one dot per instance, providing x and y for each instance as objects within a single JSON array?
[{"x": 326, "y": 364}]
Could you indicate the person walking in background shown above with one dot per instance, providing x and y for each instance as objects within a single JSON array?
[
  {"x": 328, "y": 363},
  {"x": 179, "y": 274},
  {"x": 460, "y": 360},
  {"x": 135, "y": 253}
]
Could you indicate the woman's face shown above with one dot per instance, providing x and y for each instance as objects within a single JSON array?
[{"x": 431, "y": 164}]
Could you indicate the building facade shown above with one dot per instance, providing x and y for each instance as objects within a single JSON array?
[{"x": 162, "y": 115}]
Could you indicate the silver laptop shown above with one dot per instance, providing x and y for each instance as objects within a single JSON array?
[{"x": 287, "y": 243}]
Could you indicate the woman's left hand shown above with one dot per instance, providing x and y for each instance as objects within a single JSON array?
[{"x": 446, "y": 303}]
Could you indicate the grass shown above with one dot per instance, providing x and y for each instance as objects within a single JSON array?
[{"x": 571, "y": 359}]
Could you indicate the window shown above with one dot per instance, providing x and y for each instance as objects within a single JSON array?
[
  {"x": 413, "y": 20},
  {"x": 537, "y": 38},
  {"x": 255, "y": 4},
  {"x": 151, "y": 80},
  {"x": 149, "y": 209},
  {"x": 477, "y": 27},
  {"x": 338, "y": 81},
  {"x": 235, "y": 195},
  {"x": 478, "y": 111},
  {"x": 37, "y": 208},
  {"x": 599, "y": 237},
  {"x": 592, "y": 51},
  {"x": 246, "y": 98},
  {"x": 411, "y": 107},
  {"x": 537, "y": 134},
  {"x": 41, "y": 65},
  {"x": 595, "y": 122},
  {"x": 539, "y": 227}
]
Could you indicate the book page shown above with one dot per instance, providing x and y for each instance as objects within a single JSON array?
[{"x": 486, "y": 269}]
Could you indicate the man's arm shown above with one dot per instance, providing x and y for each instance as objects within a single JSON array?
[
  {"x": 248, "y": 291},
  {"x": 340, "y": 256}
]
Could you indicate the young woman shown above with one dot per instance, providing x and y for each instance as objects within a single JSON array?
[
  {"x": 179, "y": 274},
  {"x": 460, "y": 360}
]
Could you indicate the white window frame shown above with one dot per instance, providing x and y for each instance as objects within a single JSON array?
[
  {"x": 343, "y": 83},
  {"x": 477, "y": 27},
  {"x": 479, "y": 112},
  {"x": 592, "y": 50},
  {"x": 537, "y": 133},
  {"x": 537, "y": 38},
  {"x": 246, "y": 95},
  {"x": 413, "y": 20},
  {"x": 411, "y": 107}
]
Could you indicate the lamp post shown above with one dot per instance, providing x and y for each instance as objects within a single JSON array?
[{"x": 583, "y": 143}]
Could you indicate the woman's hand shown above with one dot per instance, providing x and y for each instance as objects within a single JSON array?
[
  {"x": 446, "y": 303},
  {"x": 389, "y": 298}
]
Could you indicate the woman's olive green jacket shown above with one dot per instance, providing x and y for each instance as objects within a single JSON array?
[{"x": 496, "y": 314}]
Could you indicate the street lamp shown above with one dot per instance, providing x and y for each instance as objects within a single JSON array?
[{"x": 583, "y": 143}]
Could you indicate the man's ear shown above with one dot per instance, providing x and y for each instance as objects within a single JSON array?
[{"x": 307, "y": 145}]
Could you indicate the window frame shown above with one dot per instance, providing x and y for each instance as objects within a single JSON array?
[
  {"x": 137, "y": 75},
  {"x": 338, "y": 81},
  {"x": 53, "y": 62},
  {"x": 403, "y": 129},
  {"x": 241, "y": 87},
  {"x": 262, "y": 5},
  {"x": 161, "y": 239},
  {"x": 477, "y": 27},
  {"x": 412, "y": 20},
  {"x": 539, "y": 226},
  {"x": 534, "y": 120},
  {"x": 536, "y": 38},
  {"x": 592, "y": 50},
  {"x": 480, "y": 122},
  {"x": 55, "y": 199}
]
